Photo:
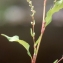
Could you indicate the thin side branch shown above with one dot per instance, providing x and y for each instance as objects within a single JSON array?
[{"x": 33, "y": 20}]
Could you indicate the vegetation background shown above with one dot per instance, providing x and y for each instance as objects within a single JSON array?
[{"x": 15, "y": 20}]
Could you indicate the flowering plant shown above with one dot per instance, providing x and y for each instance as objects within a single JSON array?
[{"x": 45, "y": 22}]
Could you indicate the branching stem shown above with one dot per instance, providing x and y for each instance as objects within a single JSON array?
[
  {"x": 42, "y": 31},
  {"x": 33, "y": 59}
]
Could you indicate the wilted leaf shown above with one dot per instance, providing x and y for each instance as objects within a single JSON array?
[
  {"x": 57, "y": 6},
  {"x": 55, "y": 61},
  {"x": 22, "y": 42}
]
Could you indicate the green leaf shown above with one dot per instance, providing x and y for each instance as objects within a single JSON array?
[
  {"x": 38, "y": 40},
  {"x": 55, "y": 61},
  {"x": 32, "y": 33},
  {"x": 58, "y": 5},
  {"x": 26, "y": 45},
  {"x": 22, "y": 42},
  {"x": 11, "y": 39}
]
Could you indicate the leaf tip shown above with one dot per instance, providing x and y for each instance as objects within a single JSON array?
[{"x": 2, "y": 34}]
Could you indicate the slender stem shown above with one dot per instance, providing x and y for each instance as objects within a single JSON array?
[
  {"x": 44, "y": 10},
  {"x": 43, "y": 21},
  {"x": 33, "y": 28},
  {"x": 33, "y": 59},
  {"x": 42, "y": 31},
  {"x": 60, "y": 60},
  {"x": 33, "y": 31},
  {"x": 33, "y": 20},
  {"x": 43, "y": 25}
]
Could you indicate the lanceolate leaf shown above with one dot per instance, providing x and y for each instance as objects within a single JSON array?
[
  {"x": 26, "y": 45},
  {"x": 38, "y": 40},
  {"x": 11, "y": 39},
  {"x": 31, "y": 32},
  {"x": 22, "y": 42},
  {"x": 57, "y": 6},
  {"x": 55, "y": 61}
]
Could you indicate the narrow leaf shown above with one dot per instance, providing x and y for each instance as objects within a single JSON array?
[
  {"x": 55, "y": 61},
  {"x": 26, "y": 45},
  {"x": 11, "y": 39},
  {"x": 31, "y": 32},
  {"x": 22, "y": 42},
  {"x": 29, "y": 54},
  {"x": 38, "y": 40},
  {"x": 57, "y": 6}
]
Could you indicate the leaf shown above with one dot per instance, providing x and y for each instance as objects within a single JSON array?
[
  {"x": 29, "y": 54},
  {"x": 32, "y": 33},
  {"x": 26, "y": 45},
  {"x": 11, "y": 39},
  {"x": 22, "y": 42},
  {"x": 38, "y": 40},
  {"x": 57, "y": 6},
  {"x": 55, "y": 61}
]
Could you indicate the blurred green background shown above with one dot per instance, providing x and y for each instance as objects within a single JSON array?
[{"x": 15, "y": 20}]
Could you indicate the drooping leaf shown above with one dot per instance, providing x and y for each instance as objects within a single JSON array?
[
  {"x": 26, "y": 46},
  {"x": 28, "y": 52},
  {"x": 58, "y": 5},
  {"x": 55, "y": 61},
  {"x": 22, "y": 42},
  {"x": 11, "y": 39}
]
